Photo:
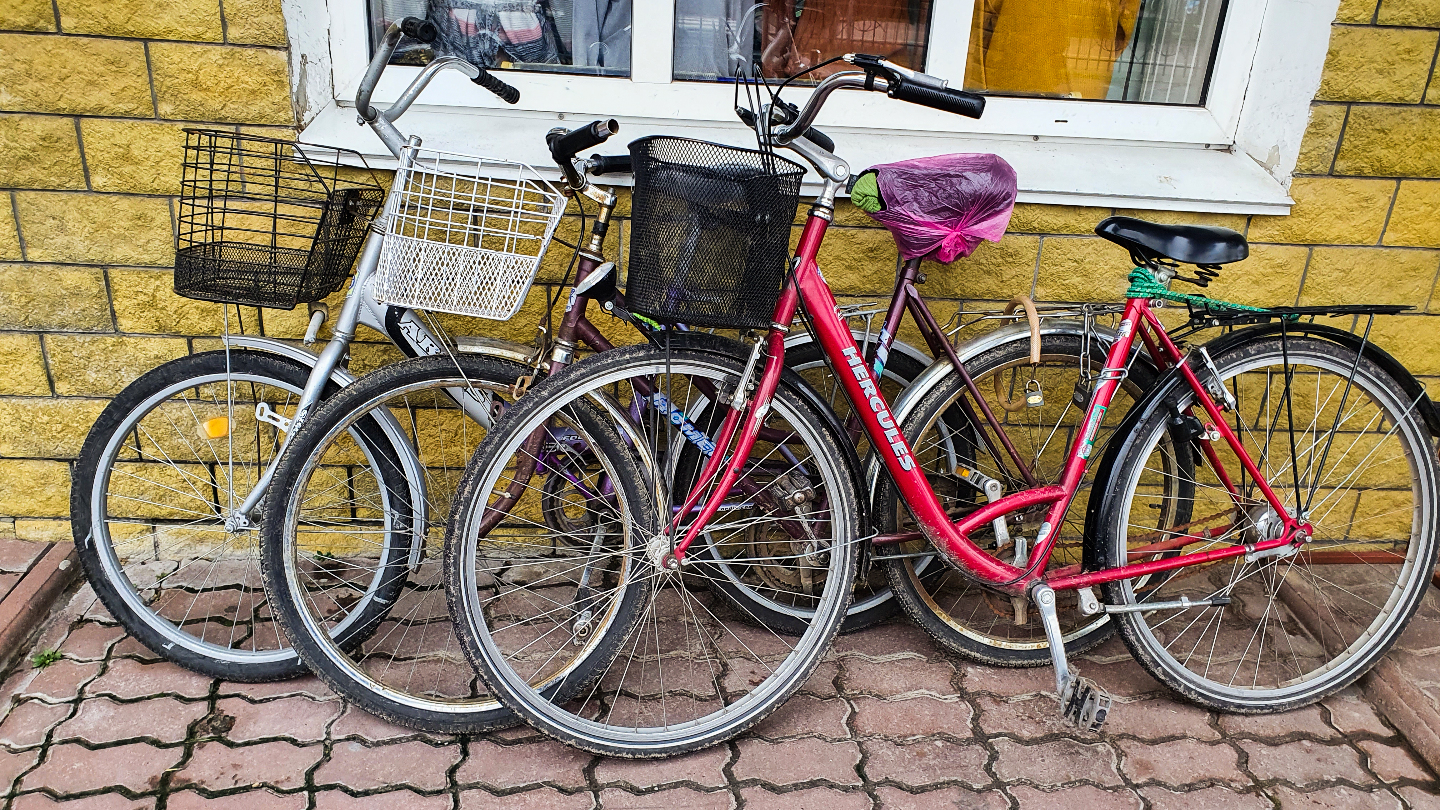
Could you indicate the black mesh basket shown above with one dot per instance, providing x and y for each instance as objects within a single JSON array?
[
  {"x": 268, "y": 222},
  {"x": 711, "y": 235}
]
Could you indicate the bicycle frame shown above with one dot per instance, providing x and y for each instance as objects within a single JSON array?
[{"x": 809, "y": 289}]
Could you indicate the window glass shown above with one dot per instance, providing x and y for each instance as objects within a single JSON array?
[
  {"x": 567, "y": 36},
  {"x": 715, "y": 39},
  {"x": 1120, "y": 50}
]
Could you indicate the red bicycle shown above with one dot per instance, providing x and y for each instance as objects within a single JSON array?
[{"x": 1262, "y": 526}]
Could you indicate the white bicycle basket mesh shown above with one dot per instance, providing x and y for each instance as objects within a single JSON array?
[{"x": 466, "y": 234}]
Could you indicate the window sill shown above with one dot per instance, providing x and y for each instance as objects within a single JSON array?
[{"x": 1104, "y": 174}]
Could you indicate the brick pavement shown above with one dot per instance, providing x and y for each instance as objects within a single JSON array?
[{"x": 887, "y": 722}]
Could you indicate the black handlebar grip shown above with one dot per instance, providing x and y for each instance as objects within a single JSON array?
[
  {"x": 959, "y": 102},
  {"x": 609, "y": 164},
  {"x": 819, "y": 138},
  {"x": 563, "y": 148},
  {"x": 490, "y": 82},
  {"x": 416, "y": 28}
]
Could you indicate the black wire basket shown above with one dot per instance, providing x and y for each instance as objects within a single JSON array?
[
  {"x": 711, "y": 232},
  {"x": 268, "y": 222}
]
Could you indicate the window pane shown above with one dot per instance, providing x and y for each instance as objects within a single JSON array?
[
  {"x": 566, "y": 36},
  {"x": 1120, "y": 50},
  {"x": 715, "y": 39}
]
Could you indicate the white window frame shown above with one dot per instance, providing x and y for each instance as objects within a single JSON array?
[{"x": 1234, "y": 154}]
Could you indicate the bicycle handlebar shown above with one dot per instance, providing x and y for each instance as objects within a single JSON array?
[
  {"x": 959, "y": 102},
  {"x": 565, "y": 145},
  {"x": 609, "y": 164},
  {"x": 418, "y": 29}
]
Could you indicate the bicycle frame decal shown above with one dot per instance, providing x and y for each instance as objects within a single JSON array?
[
  {"x": 687, "y": 428},
  {"x": 878, "y": 406}
]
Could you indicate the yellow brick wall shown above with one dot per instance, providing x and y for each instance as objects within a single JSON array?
[{"x": 94, "y": 95}]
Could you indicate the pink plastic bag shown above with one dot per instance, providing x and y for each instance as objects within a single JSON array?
[{"x": 941, "y": 207}]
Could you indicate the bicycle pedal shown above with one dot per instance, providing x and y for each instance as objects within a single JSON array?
[{"x": 1085, "y": 704}]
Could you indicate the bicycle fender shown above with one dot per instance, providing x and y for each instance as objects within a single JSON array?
[{"x": 399, "y": 441}]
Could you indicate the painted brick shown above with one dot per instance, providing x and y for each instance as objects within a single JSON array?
[
  {"x": 1329, "y": 210},
  {"x": 1356, "y": 11},
  {"x": 1322, "y": 135},
  {"x": 141, "y": 157},
  {"x": 1391, "y": 142},
  {"x": 254, "y": 22},
  {"x": 44, "y": 531},
  {"x": 1415, "y": 219},
  {"x": 78, "y": 75},
  {"x": 1339, "y": 275},
  {"x": 1377, "y": 64},
  {"x": 1410, "y": 12},
  {"x": 35, "y": 427},
  {"x": 1411, "y": 339},
  {"x": 145, "y": 302},
  {"x": 60, "y": 298},
  {"x": 995, "y": 271},
  {"x": 1269, "y": 277},
  {"x": 221, "y": 83},
  {"x": 27, "y": 15},
  {"x": 1080, "y": 269},
  {"x": 34, "y": 488},
  {"x": 101, "y": 366},
  {"x": 9, "y": 234},
  {"x": 96, "y": 228},
  {"x": 858, "y": 259},
  {"x": 173, "y": 19},
  {"x": 22, "y": 366},
  {"x": 39, "y": 151},
  {"x": 1071, "y": 219}
]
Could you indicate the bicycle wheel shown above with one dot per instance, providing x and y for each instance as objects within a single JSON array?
[
  {"x": 975, "y": 622},
  {"x": 335, "y": 523},
  {"x": 1346, "y": 452},
  {"x": 688, "y": 669},
  {"x": 873, "y": 601},
  {"x": 161, "y": 470}
]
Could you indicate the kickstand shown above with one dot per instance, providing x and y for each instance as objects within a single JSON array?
[{"x": 1083, "y": 703}]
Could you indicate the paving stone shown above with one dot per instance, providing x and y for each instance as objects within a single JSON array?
[
  {"x": 1307, "y": 722},
  {"x": 792, "y": 762},
  {"x": 1181, "y": 762},
  {"x": 819, "y": 798},
  {"x": 673, "y": 799},
  {"x": 91, "y": 641},
  {"x": 29, "y": 722},
  {"x": 951, "y": 798},
  {"x": 7, "y": 582},
  {"x": 1419, "y": 799},
  {"x": 530, "y": 800},
  {"x": 307, "y": 685},
  {"x": 130, "y": 647},
  {"x": 101, "y": 720},
  {"x": 1055, "y": 763},
  {"x": 297, "y": 718},
  {"x": 530, "y": 764},
  {"x": 282, "y": 765},
  {"x": 12, "y": 764},
  {"x": 1353, "y": 714},
  {"x": 893, "y": 639},
  {"x": 901, "y": 676},
  {"x": 71, "y": 769},
  {"x": 414, "y": 764},
  {"x": 1210, "y": 798},
  {"x": 704, "y": 768},
  {"x": 100, "y": 801},
  {"x": 821, "y": 682},
  {"x": 1341, "y": 797},
  {"x": 925, "y": 762},
  {"x": 1122, "y": 679},
  {"x": 1025, "y": 718},
  {"x": 1086, "y": 796},
  {"x": 804, "y": 715},
  {"x": 129, "y": 680},
  {"x": 912, "y": 717},
  {"x": 249, "y": 800},
  {"x": 360, "y": 724},
  {"x": 1008, "y": 682},
  {"x": 1157, "y": 719},
  {"x": 397, "y": 799},
  {"x": 1305, "y": 762},
  {"x": 1392, "y": 763},
  {"x": 16, "y": 556},
  {"x": 61, "y": 681}
]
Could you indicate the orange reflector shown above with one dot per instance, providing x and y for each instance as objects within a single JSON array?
[{"x": 216, "y": 428}]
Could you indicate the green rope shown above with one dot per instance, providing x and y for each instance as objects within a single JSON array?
[{"x": 1144, "y": 285}]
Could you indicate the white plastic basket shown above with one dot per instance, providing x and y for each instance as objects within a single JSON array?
[{"x": 465, "y": 234}]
